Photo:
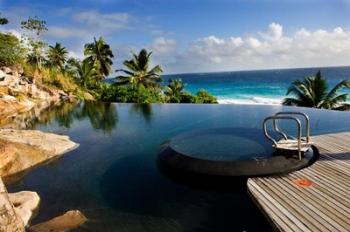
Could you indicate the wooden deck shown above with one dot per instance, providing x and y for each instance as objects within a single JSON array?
[{"x": 316, "y": 198}]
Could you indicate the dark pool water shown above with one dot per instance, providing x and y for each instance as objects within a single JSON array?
[
  {"x": 223, "y": 144},
  {"x": 113, "y": 177}
]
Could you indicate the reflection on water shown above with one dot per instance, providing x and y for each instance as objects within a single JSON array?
[
  {"x": 102, "y": 116},
  {"x": 144, "y": 109}
]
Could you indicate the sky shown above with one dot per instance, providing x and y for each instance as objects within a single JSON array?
[{"x": 198, "y": 35}]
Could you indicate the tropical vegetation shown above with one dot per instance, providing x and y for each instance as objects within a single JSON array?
[
  {"x": 314, "y": 92},
  {"x": 137, "y": 81},
  {"x": 57, "y": 56},
  {"x": 52, "y": 65},
  {"x": 100, "y": 54},
  {"x": 139, "y": 73}
]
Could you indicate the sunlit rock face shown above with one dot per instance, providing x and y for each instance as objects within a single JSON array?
[
  {"x": 9, "y": 220},
  {"x": 19, "y": 93},
  {"x": 64, "y": 223},
  {"x": 25, "y": 204},
  {"x": 22, "y": 150}
]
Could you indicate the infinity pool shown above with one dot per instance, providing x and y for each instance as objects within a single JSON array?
[{"x": 114, "y": 179}]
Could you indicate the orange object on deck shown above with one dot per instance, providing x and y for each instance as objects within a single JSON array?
[{"x": 304, "y": 182}]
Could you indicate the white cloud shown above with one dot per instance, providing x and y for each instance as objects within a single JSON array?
[
  {"x": 268, "y": 49},
  {"x": 66, "y": 32},
  {"x": 162, "y": 45},
  {"x": 98, "y": 21},
  {"x": 274, "y": 31}
]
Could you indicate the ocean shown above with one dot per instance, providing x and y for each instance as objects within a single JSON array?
[{"x": 255, "y": 87}]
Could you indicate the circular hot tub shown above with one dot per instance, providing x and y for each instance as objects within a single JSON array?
[{"x": 229, "y": 152}]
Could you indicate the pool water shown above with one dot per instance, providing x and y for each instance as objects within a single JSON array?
[
  {"x": 223, "y": 144},
  {"x": 114, "y": 179}
]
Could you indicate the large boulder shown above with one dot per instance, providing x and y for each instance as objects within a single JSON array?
[
  {"x": 25, "y": 204},
  {"x": 22, "y": 150},
  {"x": 64, "y": 223},
  {"x": 9, "y": 220},
  {"x": 11, "y": 106}
]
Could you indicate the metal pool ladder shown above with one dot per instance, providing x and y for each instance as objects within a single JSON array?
[{"x": 288, "y": 143}]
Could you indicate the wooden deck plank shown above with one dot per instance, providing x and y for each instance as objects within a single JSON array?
[{"x": 324, "y": 206}]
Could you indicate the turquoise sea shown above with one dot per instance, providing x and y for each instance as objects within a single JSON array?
[{"x": 255, "y": 87}]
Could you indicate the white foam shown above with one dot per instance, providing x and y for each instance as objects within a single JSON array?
[{"x": 253, "y": 100}]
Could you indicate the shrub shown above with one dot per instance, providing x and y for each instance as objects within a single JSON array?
[
  {"x": 205, "y": 97},
  {"x": 187, "y": 98},
  {"x": 11, "y": 50}
]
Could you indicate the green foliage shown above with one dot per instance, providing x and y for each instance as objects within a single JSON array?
[
  {"x": 37, "y": 48},
  {"x": 11, "y": 50},
  {"x": 174, "y": 90},
  {"x": 140, "y": 94},
  {"x": 100, "y": 54},
  {"x": 34, "y": 25},
  {"x": 57, "y": 56},
  {"x": 85, "y": 73},
  {"x": 313, "y": 92},
  {"x": 203, "y": 97},
  {"x": 176, "y": 94},
  {"x": 36, "y": 56},
  {"x": 138, "y": 71}
]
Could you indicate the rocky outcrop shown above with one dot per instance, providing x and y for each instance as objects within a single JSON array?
[
  {"x": 64, "y": 223},
  {"x": 19, "y": 93},
  {"x": 22, "y": 150},
  {"x": 9, "y": 220},
  {"x": 25, "y": 204},
  {"x": 17, "y": 210}
]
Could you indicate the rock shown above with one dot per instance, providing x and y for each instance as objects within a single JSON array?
[
  {"x": 10, "y": 107},
  {"x": 23, "y": 150},
  {"x": 64, "y": 223},
  {"x": 25, "y": 204},
  {"x": 8, "y": 80},
  {"x": 6, "y": 70},
  {"x": 9, "y": 220},
  {"x": 26, "y": 91},
  {"x": 18, "y": 70},
  {"x": 8, "y": 97},
  {"x": 2, "y": 75}
]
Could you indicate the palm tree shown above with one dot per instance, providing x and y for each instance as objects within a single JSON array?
[
  {"x": 313, "y": 92},
  {"x": 100, "y": 54},
  {"x": 85, "y": 72},
  {"x": 36, "y": 59},
  {"x": 174, "y": 90},
  {"x": 138, "y": 71},
  {"x": 57, "y": 55}
]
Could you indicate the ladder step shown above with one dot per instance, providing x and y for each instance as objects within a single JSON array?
[{"x": 290, "y": 144}]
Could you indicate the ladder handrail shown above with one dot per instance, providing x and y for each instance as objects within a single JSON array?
[
  {"x": 274, "y": 118},
  {"x": 307, "y": 126}
]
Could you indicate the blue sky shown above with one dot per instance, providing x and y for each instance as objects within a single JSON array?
[{"x": 202, "y": 35}]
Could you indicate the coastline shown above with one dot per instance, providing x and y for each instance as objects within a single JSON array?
[{"x": 257, "y": 100}]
